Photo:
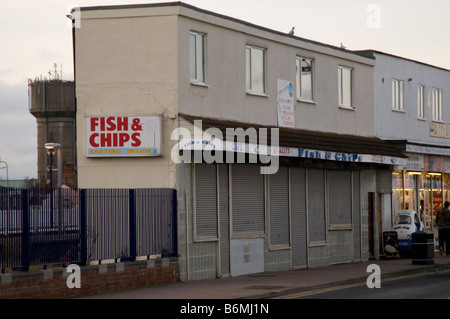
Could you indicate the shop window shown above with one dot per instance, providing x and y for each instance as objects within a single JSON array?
[
  {"x": 205, "y": 218},
  {"x": 316, "y": 206},
  {"x": 248, "y": 210},
  {"x": 431, "y": 197},
  {"x": 405, "y": 191},
  {"x": 279, "y": 208},
  {"x": 340, "y": 199}
]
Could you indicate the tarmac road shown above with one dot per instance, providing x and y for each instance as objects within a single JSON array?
[{"x": 416, "y": 286}]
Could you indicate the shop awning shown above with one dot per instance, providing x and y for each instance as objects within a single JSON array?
[{"x": 313, "y": 144}]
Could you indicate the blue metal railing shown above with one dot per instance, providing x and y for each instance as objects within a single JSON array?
[{"x": 85, "y": 225}]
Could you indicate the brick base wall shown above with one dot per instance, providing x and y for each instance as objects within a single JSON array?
[{"x": 52, "y": 283}]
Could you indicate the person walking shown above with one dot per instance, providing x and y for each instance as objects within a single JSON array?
[{"x": 443, "y": 224}]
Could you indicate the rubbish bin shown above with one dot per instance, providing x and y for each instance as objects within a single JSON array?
[{"x": 422, "y": 248}]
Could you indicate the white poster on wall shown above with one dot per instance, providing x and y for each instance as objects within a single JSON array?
[
  {"x": 285, "y": 103},
  {"x": 247, "y": 256}
]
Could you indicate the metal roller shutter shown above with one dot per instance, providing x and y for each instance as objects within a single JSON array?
[
  {"x": 356, "y": 215},
  {"x": 224, "y": 220},
  {"x": 316, "y": 205},
  {"x": 298, "y": 216},
  {"x": 206, "y": 201},
  {"x": 339, "y": 197},
  {"x": 247, "y": 198},
  {"x": 279, "y": 207}
]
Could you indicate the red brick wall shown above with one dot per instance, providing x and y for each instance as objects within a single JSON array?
[{"x": 36, "y": 285}]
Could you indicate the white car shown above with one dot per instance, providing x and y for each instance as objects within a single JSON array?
[{"x": 406, "y": 222}]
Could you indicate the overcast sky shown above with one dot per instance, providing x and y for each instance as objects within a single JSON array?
[{"x": 36, "y": 34}]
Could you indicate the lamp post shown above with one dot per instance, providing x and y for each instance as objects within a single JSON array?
[
  {"x": 7, "y": 178},
  {"x": 51, "y": 149},
  {"x": 7, "y": 184}
]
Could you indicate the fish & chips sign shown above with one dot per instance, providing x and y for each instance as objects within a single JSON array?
[{"x": 123, "y": 136}]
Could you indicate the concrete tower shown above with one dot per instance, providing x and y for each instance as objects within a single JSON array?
[{"x": 52, "y": 103}]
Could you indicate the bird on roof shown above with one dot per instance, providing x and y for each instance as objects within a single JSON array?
[{"x": 292, "y": 31}]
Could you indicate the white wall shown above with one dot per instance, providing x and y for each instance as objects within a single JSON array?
[{"x": 391, "y": 124}]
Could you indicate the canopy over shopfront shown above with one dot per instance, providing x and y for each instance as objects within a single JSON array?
[{"x": 291, "y": 143}]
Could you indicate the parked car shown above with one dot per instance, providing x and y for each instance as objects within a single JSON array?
[{"x": 406, "y": 222}]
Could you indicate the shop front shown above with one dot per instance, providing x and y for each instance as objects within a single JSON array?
[
  {"x": 423, "y": 184},
  {"x": 312, "y": 212}
]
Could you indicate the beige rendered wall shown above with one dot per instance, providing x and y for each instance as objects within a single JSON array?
[
  {"x": 126, "y": 65},
  {"x": 135, "y": 61},
  {"x": 225, "y": 95}
]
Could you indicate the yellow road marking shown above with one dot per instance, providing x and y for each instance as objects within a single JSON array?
[{"x": 324, "y": 290}]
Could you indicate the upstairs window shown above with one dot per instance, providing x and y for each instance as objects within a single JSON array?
[
  {"x": 255, "y": 70},
  {"x": 437, "y": 105},
  {"x": 345, "y": 87},
  {"x": 304, "y": 79},
  {"x": 420, "y": 102},
  {"x": 397, "y": 95},
  {"x": 197, "y": 57}
]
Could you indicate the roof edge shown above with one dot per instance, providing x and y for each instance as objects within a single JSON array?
[
  {"x": 370, "y": 53},
  {"x": 222, "y": 16}
]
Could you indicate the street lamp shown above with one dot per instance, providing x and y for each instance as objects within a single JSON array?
[
  {"x": 7, "y": 178},
  {"x": 51, "y": 149},
  {"x": 7, "y": 184}
]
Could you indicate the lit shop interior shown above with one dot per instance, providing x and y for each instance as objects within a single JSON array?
[{"x": 424, "y": 192}]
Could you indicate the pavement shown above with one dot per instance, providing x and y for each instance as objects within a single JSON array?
[{"x": 274, "y": 285}]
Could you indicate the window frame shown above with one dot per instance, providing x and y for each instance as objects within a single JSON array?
[
  {"x": 299, "y": 80},
  {"x": 199, "y": 68},
  {"x": 342, "y": 89},
  {"x": 398, "y": 95},
  {"x": 249, "y": 83},
  {"x": 437, "y": 96},
  {"x": 421, "y": 102}
]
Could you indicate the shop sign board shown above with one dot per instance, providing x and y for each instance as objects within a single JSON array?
[
  {"x": 220, "y": 145},
  {"x": 427, "y": 150},
  {"x": 123, "y": 136},
  {"x": 439, "y": 130},
  {"x": 415, "y": 162}
]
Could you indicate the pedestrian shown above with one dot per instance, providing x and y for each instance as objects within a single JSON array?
[{"x": 443, "y": 224}]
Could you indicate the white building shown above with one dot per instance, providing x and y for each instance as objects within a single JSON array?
[
  {"x": 143, "y": 71},
  {"x": 410, "y": 112}
]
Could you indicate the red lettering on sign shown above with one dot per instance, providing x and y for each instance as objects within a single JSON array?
[{"x": 136, "y": 140}]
